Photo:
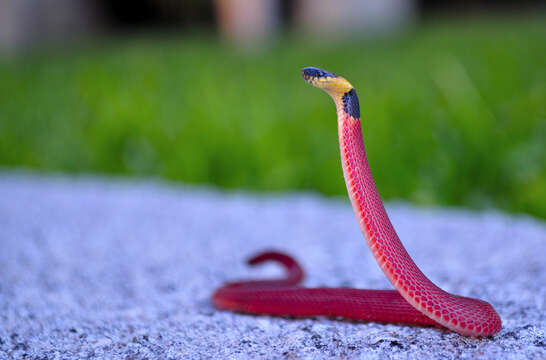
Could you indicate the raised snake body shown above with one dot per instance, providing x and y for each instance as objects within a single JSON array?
[{"x": 416, "y": 300}]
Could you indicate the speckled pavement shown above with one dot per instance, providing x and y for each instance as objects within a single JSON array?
[{"x": 97, "y": 268}]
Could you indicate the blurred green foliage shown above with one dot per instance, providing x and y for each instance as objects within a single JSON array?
[{"x": 453, "y": 113}]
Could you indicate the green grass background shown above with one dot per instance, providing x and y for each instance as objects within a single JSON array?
[{"x": 453, "y": 113}]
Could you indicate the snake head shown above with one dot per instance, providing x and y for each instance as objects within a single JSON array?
[
  {"x": 333, "y": 84},
  {"x": 340, "y": 90}
]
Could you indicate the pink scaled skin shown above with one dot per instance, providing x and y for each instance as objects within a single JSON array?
[{"x": 416, "y": 299}]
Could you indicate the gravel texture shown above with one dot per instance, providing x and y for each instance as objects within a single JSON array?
[{"x": 117, "y": 269}]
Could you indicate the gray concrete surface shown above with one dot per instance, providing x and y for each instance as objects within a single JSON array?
[{"x": 113, "y": 269}]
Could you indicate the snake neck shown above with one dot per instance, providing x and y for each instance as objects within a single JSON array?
[
  {"x": 360, "y": 184},
  {"x": 368, "y": 207},
  {"x": 369, "y": 210}
]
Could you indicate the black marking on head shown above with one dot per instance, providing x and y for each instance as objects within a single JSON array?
[
  {"x": 313, "y": 72},
  {"x": 350, "y": 103}
]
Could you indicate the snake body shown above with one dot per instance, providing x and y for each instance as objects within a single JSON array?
[{"x": 415, "y": 300}]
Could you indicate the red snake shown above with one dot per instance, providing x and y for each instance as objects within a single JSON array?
[{"x": 416, "y": 300}]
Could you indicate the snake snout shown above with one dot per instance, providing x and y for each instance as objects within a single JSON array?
[{"x": 312, "y": 73}]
